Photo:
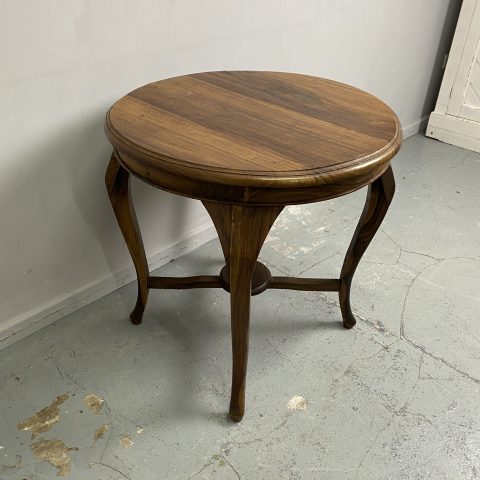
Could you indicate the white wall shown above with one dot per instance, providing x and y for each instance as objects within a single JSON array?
[{"x": 64, "y": 62}]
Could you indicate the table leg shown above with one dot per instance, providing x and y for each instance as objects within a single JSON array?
[
  {"x": 379, "y": 197},
  {"x": 242, "y": 231},
  {"x": 117, "y": 180}
]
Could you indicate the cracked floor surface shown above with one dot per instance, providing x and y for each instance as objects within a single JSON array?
[{"x": 397, "y": 397}]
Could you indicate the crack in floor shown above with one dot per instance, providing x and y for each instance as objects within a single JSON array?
[{"x": 124, "y": 475}]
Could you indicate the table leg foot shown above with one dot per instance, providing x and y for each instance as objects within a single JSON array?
[
  {"x": 379, "y": 197},
  {"x": 242, "y": 231},
  {"x": 137, "y": 313},
  {"x": 117, "y": 180}
]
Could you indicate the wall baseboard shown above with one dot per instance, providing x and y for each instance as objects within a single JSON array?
[
  {"x": 36, "y": 318},
  {"x": 415, "y": 127}
]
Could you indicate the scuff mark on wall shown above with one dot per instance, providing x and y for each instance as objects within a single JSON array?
[{"x": 45, "y": 419}]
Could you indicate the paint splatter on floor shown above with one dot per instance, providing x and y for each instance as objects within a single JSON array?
[
  {"x": 297, "y": 402},
  {"x": 94, "y": 403},
  {"x": 45, "y": 419},
  {"x": 126, "y": 440},
  {"x": 55, "y": 452},
  {"x": 100, "y": 432}
]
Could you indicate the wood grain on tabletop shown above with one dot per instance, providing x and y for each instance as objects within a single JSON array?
[{"x": 254, "y": 128}]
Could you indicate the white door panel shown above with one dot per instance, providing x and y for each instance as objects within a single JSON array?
[
  {"x": 471, "y": 104},
  {"x": 456, "y": 118}
]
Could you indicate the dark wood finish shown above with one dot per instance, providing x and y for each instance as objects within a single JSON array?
[
  {"x": 117, "y": 180},
  {"x": 306, "y": 284},
  {"x": 210, "y": 191},
  {"x": 379, "y": 197},
  {"x": 254, "y": 137},
  {"x": 221, "y": 215},
  {"x": 249, "y": 228},
  {"x": 242, "y": 231},
  {"x": 261, "y": 278},
  {"x": 185, "y": 283},
  {"x": 247, "y": 144}
]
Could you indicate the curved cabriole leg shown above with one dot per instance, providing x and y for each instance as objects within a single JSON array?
[
  {"x": 242, "y": 231},
  {"x": 379, "y": 197},
  {"x": 117, "y": 180}
]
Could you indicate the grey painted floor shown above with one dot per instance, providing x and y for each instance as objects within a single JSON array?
[{"x": 397, "y": 397}]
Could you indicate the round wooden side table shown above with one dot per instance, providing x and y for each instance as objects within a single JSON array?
[{"x": 246, "y": 144}]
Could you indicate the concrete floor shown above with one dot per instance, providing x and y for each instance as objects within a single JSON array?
[{"x": 397, "y": 397}]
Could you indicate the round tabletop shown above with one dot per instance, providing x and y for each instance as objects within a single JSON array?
[{"x": 246, "y": 130}]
